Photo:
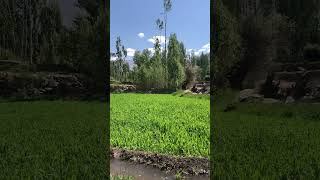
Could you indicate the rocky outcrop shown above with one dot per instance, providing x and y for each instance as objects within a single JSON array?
[
  {"x": 249, "y": 95},
  {"x": 28, "y": 86},
  {"x": 288, "y": 83},
  {"x": 120, "y": 88},
  {"x": 200, "y": 87},
  {"x": 312, "y": 87}
]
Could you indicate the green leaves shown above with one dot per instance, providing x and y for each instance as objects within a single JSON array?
[{"x": 175, "y": 69}]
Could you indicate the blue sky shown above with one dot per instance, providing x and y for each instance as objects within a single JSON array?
[{"x": 189, "y": 19}]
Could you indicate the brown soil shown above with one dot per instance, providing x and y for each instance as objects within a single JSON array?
[{"x": 185, "y": 165}]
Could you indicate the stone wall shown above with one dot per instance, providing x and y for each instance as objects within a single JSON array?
[{"x": 43, "y": 85}]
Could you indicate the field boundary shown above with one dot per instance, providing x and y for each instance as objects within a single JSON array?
[{"x": 185, "y": 165}]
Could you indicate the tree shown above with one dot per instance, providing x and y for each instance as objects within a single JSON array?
[
  {"x": 162, "y": 24},
  {"x": 28, "y": 25},
  {"x": 183, "y": 54},
  {"x": 227, "y": 44},
  {"x": 167, "y": 7},
  {"x": 120, "y": 66},
  {"x": 175, "y": 68},
  {"x": 203, "y": 63},
  {"x": 158, "y": 69}
]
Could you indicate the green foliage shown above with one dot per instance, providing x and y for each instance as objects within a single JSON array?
[
  {"x": 167, "y": 69},
  {"x": 149, "y": 72},
  {"x": 85, "y": 45},
  {"x": 34, "y": 32},
  {"x": 283, "y": 36},
  {"x": 191, "y": 72},
  {"x": 176, "y": 72},
  {"x": 204, "y": 64},
  {"x": 160, "y": 123},
  {"x": 27, "y": 25},
  {"x": 227, "y": 46},
  {"x": 251, "y": 33},
  {"x": 120, "y": 67},
  {"x": 157, "y": 72},
  {"x": 53, "y": 140}
]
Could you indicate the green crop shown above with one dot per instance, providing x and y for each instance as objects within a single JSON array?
[
  {"x": 53, "y": 140},
  {"x": 266, "y": 141},
  {"x": 160, "y": 123}
]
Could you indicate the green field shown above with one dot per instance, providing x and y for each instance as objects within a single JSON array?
[
  {"x": 266, "y": 141},
  {"x": 161, "y": 123},
  {"x": 53, "y": 140}
]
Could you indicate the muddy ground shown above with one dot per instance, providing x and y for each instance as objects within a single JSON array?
[{"x": 186, "y": 166}]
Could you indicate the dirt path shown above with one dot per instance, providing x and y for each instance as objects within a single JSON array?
[{"x": 145, "y": 166}]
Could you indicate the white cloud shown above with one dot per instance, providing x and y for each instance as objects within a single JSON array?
[
  {"x": 206, "y": 46},
  {"x": 130, "y": 52},
  {"x": 151, "y": 50},
  {"x": 153, "y": 39},
  {"x": 205, "y": 49},
  {"x": 113, "y": 58},
  {"x": 202, "y": 50},
  {"x": 197, "y": 52},
  {"x": 141, "y": 35}
]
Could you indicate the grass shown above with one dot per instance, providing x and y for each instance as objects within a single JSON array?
[
  {"x": 160, "y": 123},
  {"x": 265, "y": 141},
  {"x": 53, "y": 140}
]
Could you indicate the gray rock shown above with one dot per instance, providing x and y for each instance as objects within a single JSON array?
[
  {"x": 289, "y": 100},
  {"x": 249, "y": 95}
]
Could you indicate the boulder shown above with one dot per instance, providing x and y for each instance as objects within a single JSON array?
[
  {"x": 201, "y": 87},
  {"x": 312, "y": 87},
  {"x": 249, "y": 95},
  {"x": 309, "y": 99},
  {"x": 285, "y": 88},
  {"x": 123, "y": 88},
  {"x": 289, "y": 100}
]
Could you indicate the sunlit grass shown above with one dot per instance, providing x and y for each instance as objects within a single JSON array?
[
  {"x": 272, "y": 141},
  {"x": 53, "y": 140},
  {"x": 160, "y": 123}
]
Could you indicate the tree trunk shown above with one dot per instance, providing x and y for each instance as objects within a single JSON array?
[{"x": 31, "y": 33}]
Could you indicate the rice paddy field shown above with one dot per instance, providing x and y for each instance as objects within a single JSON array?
[
  {"x": 161, "y": 123},
  {"x": 53, "y": 140},
  {"x": 266, "y": 141}
]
